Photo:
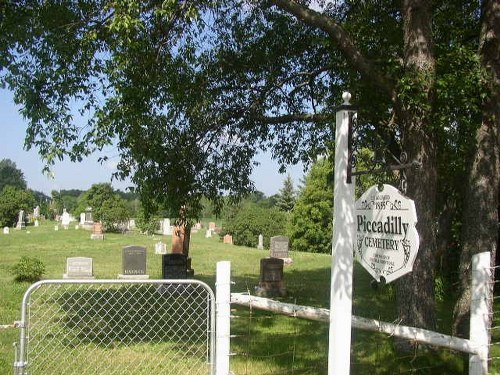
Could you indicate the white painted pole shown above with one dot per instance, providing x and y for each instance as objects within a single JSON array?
[
  {"x": 339, "y": 348},
  {"x": 480, "y": 313},
  {"x": 223, "y": 316}
]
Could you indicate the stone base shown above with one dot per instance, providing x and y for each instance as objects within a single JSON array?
[
  {"x": 97, "y": 237},
  {"x": 270, "y": 289},
  {"x": 65, "y": 276},
  {"x": 133, "y": 277},
  {"x": 20, "y": 226}
]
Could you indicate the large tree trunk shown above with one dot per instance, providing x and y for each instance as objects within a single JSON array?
[
  {"x": 415, "y": 292},
  {"x": 480, "y": 219}
]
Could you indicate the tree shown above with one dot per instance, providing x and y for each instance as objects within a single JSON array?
[
  {"x": 251, "y": 220},
  {"x": 10, "y": 175},
  {"x": 311, "y": 218},
  {"x": 107, "y": 206},
  {"x": 286, "y": 196},
  {"x": 208, "y": 84},
  {"x": 12, "y": 201}
]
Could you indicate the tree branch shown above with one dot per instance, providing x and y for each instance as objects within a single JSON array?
[{"x": 343, "y": 41}]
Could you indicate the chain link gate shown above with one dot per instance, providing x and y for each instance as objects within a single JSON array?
[{"x": 117, "y": 327}]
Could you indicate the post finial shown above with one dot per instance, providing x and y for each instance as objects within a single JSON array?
[{"x": 346, "y": 97}]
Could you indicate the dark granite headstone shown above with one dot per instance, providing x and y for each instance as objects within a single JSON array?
[
  {"x": 134, "y": 262},
  {"x": 271, "y": 277},
  {"x": 175, "y": 266}
]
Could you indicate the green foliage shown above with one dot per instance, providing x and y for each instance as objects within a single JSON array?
[
  {"x": 10, "y": 175},
  {"x": 28, "y": 269},
  {"x": 147, "y": 224},
  {"x": 251, "y": 220},
  {"x": 286, "y": 197},
  {"x": 13, "y": 200},
  {"x": 311, "y": 221}
]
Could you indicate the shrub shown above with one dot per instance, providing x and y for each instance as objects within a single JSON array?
[
  {"x": 252, "y": 220},
  {"x": 28, "y": 269}
]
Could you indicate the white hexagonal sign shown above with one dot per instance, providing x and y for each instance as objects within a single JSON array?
[{"x": 386, "y": 238}]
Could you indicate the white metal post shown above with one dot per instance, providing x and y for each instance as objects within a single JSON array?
[
  {"x": 223, "y": 316},
  {"x": 339, "y": 348},
  {"x": 479, "y": 312}
]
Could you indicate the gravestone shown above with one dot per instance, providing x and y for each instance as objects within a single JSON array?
[
  {"x": 134, "y": 263},
  {"x": 20, "y": 221},
  {"x": 178, "y": 239},
  {"x": 79, "y": 268},
  {"x": 36, "y": 212},
  {"x": 228, "y": 239},
  {"x": 97, "y": 232},
  {"x": 56, "y": 227},
  {"x": 6, "y": 230},
  {"x": 175, "y": 266},
  {"x": 37, "y": 223},
  {"x": 279, "y": 248},
  {"x": 166, "y": 227},
  {"x": 208, "y": 233},
  {"x": 211, "y": 225},
  {"x": 271, "y": 281},
  {"x": 82, "y": 218},
  {"x": 260, "y": 246},
  {"x": 65, "y": 219},
  {"x": 160, "y": 248}
]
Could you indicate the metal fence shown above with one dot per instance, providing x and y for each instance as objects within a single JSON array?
[{"x": 117, "y": 327}]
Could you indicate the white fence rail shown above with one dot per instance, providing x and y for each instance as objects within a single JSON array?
[{"x": 477, "y": 346}]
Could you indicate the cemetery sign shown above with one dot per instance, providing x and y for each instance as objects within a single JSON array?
[{"x": 386, "y": 238}]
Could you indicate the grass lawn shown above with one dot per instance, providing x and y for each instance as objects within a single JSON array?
[{"x": 264, "y": 343}]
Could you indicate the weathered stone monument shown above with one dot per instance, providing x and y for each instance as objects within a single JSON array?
[
  {"x": 208, "y": 233},
  {"x": 178, "y": 239},
  {"x": 228, "y": 239},
  {"x": 6, "y": 230},
  {"x": 212, "y": 226},
  {"x": 36, "y": 212},
  {"x": 79, "y": 268},
  {"x": 20, "y": 221},
  {"x": 37, "y": 223},
  {"x": 134, "y": 263},
  {"x": 97, "y": 233},
  {"x": 271, "y": 281}
]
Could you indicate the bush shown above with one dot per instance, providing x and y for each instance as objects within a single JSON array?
[
  {"x": 28, "y": 269},
  {"x": 251, "y": 220}
]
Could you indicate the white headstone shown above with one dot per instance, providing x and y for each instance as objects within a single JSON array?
[
  {"x": 208, "y": 233},
  {"x": 82, "y": 218},
  {"x": 160, "y": 248},
  {"x": 79, "y": 268},
  {"x": 261, "y": 242},
  {"x": 166, "y": 227},
  {"x": 65, "y": 219},
  {"x": 36, "y": 212},
  {"x": 56, "y": 227},
  {"x": 6, "y": 230},
  {"x": 37, "y": 224}
]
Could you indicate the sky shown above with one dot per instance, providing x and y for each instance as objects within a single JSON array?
[{"x": 81, "y": 176}]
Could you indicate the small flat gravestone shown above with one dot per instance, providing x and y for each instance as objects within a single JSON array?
[
  {"x": 279, "y": 248},
  {"x": 6, "y": 230},
  {"x": 271, "y": 278},
  {"x": 79, "y": 268},
  {"x": 133, "y": 263},
  {"x": 160, "y": 248}
]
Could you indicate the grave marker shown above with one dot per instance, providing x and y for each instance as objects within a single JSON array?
[
  {"x": 271, "y": 278},
  {"x": 79, "y": 268},
  {"x": 134, "y": 263}
]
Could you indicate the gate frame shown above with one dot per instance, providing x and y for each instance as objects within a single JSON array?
[{"x": 20, "y": 360}]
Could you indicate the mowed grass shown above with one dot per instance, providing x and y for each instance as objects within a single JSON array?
[{"x": 264, "y": 343}]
